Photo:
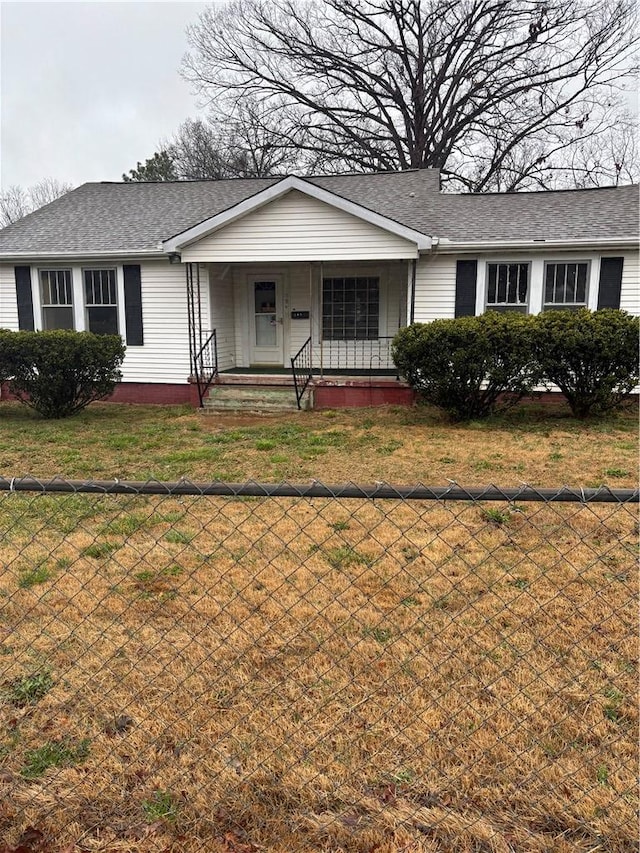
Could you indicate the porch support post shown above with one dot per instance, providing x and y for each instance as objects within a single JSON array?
[
  {"x": 191, "y": 320},
  {"x": 411, "y": 295},
  {"x": 320, "y": 341},
  {"x": 199, "y": 308},
  {"x": 311, "y": 315}
]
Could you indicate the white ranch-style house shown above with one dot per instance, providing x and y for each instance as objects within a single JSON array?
[{"x": 272, "y": 282}]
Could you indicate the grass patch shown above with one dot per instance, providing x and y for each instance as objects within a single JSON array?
[
  {"x": 29, "y": 689},
  {"x": 99, "y": 550},
  {"x": 178, "y": 537},
  {"x": 54, "y": 754},
  {"x": 496, "y": 516},
  {"x": 162, "y": 805},
  {"x": 35, "y": 577},
  {"x": 345, "y": 556}
]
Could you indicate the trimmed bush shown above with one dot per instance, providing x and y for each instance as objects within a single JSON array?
[
  {"x": 471, "y": 366},
  {"x": 59, "y": 373},
  {"x": 7, "y": 354},
  {"x": 591, "y": 356}
]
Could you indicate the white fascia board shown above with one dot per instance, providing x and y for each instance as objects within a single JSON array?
[
  {"x": 453, "y": 246},
  {"x": 214, "y": 223}
]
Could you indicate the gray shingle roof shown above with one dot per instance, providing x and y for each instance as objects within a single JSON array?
[{"x": 105, "y": 217}]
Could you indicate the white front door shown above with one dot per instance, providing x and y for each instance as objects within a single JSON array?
[{"x": 266, "y": 320}]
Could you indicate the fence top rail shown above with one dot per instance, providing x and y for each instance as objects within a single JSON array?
[{"x": 317, "y": 489}]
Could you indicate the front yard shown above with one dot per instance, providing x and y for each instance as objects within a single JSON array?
[
  {"x": 249, "y": 675},
  {"x": 539, "y": 445}
]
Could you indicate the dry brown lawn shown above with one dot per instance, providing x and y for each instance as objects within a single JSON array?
[
  {"x": 228, "y": 675},
  {"x": 540, "y": 445}
]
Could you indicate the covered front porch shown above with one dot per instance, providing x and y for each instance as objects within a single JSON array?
[{"x": 321, "y": 329}]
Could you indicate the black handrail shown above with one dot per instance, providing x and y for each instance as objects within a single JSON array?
[
  {"x": 206, "y": 365},
  {"x": 301, "y": 369}
]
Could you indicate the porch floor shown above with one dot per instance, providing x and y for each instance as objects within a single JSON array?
[{"x": 286, "y": 371}]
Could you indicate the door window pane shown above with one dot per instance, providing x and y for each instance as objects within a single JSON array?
[{"x": 265, "y": 313}]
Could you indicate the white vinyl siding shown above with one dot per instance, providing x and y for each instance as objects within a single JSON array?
[
  {"x": 435, "y": 293},
  {"x": 297, "y": 227},
  {"x": 165, "y": 354},
  {"x": 630, "y": 292},
  {"x": 8, "y": 299}
]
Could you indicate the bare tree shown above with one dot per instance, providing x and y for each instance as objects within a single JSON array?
[
  {"x": 46, "y": 191},
  {"x": 244, "y": 144},
  {"x": 16, "y": 202},
  {"x": 489, "y": 91}
]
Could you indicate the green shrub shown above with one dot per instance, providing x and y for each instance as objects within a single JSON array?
[
  {"x": 7, "y": 354},
  {"x": 58, "y": 373},
  {"x": 591, "y": 356},
  {"x": 471, "y": 366}
]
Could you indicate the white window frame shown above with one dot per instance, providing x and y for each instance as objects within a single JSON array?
[
  {"x": 537, "y": 264},
  {"x": 79, "y": 308},
  {"x": 497, "y": 305},
  {"x": 39, "y": 305},
  {"x": 116, "y": 305},
  {"x": 562, "y": 305}
]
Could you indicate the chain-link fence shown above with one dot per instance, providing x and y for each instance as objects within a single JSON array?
[{"x": 283, "y": 668}]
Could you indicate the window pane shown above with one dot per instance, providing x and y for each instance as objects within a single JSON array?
[
  {"x": 507, "y": 285},
  {"x": 493, "y": 271},
  {"x": 56, "y": 287},
  {"x": 570, "y": 287},
  {"x": 350, "y": 308},
  {"x": 102, "y": 321},
  {"x": 581, "y": 284},
  {"x": 566, "y": 285},
  {"x": 100, "y": 287},
  {"x": 54, "y": 317},
  {"x": 502, "y": 283},
  {"x": 550, "y": 278}
]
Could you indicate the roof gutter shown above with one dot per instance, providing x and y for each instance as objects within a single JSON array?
[
  {"x": 452, "y": 246},
  {"x": 149, "y": 254}
]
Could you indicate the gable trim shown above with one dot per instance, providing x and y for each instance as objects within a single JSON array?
[{"x": 214, "y": 223}]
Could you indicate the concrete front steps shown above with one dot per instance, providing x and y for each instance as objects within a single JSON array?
[{"x": 245, "y": 393}]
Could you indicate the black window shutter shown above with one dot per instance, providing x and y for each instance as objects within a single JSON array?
[
  {"x": 24, "y": 298},
  {"x": 610, "y": 282},
  {"x": 133, "y": 305},
  {"x": 466, "y": 274}
]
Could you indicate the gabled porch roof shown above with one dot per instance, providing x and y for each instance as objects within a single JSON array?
[{"x": 415, "y": 240}]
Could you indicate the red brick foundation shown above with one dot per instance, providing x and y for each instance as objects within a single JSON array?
[
  {"x": 354, "y": 394},
  {"x": 162, "y": 394},
  {"x": 159, "y": 393}
]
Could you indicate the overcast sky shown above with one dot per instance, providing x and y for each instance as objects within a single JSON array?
[{"x": 89, "y": 88}]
